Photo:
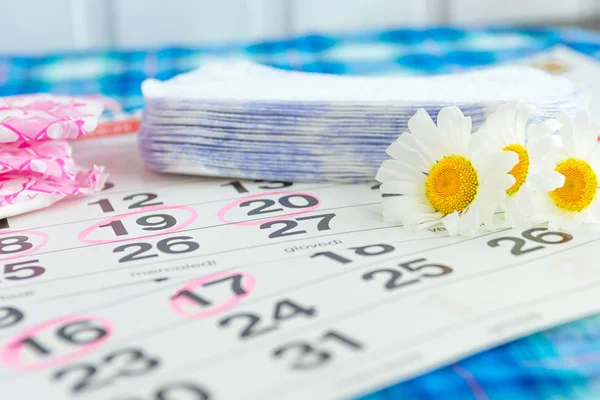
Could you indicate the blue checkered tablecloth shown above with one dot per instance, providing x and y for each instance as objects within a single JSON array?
[
  {"x": 118, "y": 74},
  {"x": 560, "y": 363}
]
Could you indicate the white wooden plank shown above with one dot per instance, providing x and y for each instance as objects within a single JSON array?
[
  {"x": 589, "y": 9},
  {"x": 143, "y": 23},
  {"x": 35, "y": 26},
  {"x": 336, "y": 15},
  {"x": 267, "y": 18},
  {"x": 507, "y": 11},
  {"x": 92, "y": 23}
]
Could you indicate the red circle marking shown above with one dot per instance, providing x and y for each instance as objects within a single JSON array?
[
  {"x": 193, "y": 215},
  {"x": 43, "y": 235},
  {"x": 249, "y": 283},
  {"x": 223, "y": 211},
  {"x": 11, "y": 351}
]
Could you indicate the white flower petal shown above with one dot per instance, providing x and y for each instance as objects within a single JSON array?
[
  {"x": 403, "y": 187},
  {"x": 487, "y": 215},
  {"x": 402, "y": 167},
  {"x": 418, "y": 220},
  {"x": 491, "y": 194},
  {"x": 422, "y": 123},
  {"x": 393, "y": 209},
  {"x": 588, "y": 141},
  {"x": 525, "y": 202},
  {"x": 424, "y": 130},
  {"x": 397, "y": 208},
  {"x": 455, "y": 129},
  {"x": 394, "y": 170},
  {"x": 506, "y": 125},
  {"x": 554, "y": 225},
  {"x": 479, "y": 139},
  {"x": 516, "y": 215},
  {"x": 547, "y": 127},
  {"x": 595, "y": 208},
  {"x": 546, "y": 182},
  {"x": 566, "y": 134},
  {"x": 582, "y": 120},
  {"x": 523, "y": 113},
  {"x": 451, "y": 223},
  {"x": 539, "y": 146},
  {"x": 594, "y": 159},
  {"x": 401, "y": 153},
  {"x": 499, "y": 162},
  {"x": 469, "y": 222},
  {"x": 575, "y": 221},
  {"x": 408, "y": 140},
  {"x": 501, "y": 182}
]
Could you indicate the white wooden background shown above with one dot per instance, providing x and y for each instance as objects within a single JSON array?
[{"x": 46, "y": 25}]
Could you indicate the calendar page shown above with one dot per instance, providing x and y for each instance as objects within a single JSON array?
[
  {"x": 163, "y": 286},
  {"x": 169, "y": 287}
]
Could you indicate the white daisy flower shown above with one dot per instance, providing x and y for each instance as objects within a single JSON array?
[
  {"x": 441, "y": 176},
  {"x": 576, "y": 201},
  {"x": 506, "y": 130}
]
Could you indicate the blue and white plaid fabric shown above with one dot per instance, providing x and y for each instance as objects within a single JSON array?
[
  {"x": 118, "y": 74},
  {"x": 561, "y": 363}
]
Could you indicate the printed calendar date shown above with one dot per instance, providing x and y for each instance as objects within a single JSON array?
[
  {"x": 10, "y": 316},
  {"x": 17, "y": 271},
  {"x": 113, "y": 367},
  {"x": 242, "y": 187},
  {"x": 146, "y": 222},
  {"x": 21, "y": 243},
  {"x": 172, "y": 390},
  {"x": 52, "y": 343},
  {"x": 377, "y": 249},
  {"x": 289, "y": 226},
  {"x": 212, "y": 294},
  {"x": 143, "y": 250},
  {"x": 266, "y": 207},
  {"x": 531, "y": 237},
  {"x": 175, "y": 391},
  {"x": 407, "y": 273},
  {"x": 137, "y": 200},
  {"x": 253, "y": 324},
  {"x": 310, "y": 354},
  {"x": 153, "y": 222}
]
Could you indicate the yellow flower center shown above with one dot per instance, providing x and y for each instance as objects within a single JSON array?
[
  {"x": 452, "y": 184},
  {"x": 580, "y": 186},
  {"x": 520, "y": 170}
]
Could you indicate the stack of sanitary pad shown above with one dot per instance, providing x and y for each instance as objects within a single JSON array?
[{"x": 238, "y": 119}]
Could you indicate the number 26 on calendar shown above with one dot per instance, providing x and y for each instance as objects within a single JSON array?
[{"x": 532, "y": 240}]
